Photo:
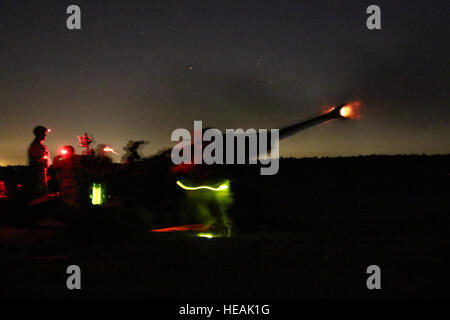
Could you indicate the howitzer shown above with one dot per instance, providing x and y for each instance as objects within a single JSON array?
[{"x": 239, "y": 146}]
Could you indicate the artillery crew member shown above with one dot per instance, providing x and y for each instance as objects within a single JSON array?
[
  {"x": 39, "y": 158},
  {"x": 64, "y": 169}
]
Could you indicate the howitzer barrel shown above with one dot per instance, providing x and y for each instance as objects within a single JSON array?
[
  {"x": 335, "y": 113},
  {"x": 296, "y": 127},
  {"x": 249, "y": 141}
]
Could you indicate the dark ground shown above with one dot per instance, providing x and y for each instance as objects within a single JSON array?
[{"x": 309, "y": 232}]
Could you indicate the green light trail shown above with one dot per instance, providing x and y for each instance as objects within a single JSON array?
[{"x": 220, "y": 188}]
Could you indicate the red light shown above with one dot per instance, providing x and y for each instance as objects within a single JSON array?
[
  {"x": 326, "y": 109},
  {"x": 64, "y": 151},
  {"x": 19, "y": 186},
  {"x": 49, "y": 130},
  {"x": 187, "y": 227}
]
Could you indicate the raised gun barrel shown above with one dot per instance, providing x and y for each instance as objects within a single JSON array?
[
  {"x": 243, "y": 139},
  {"x": 339, "y": 112},
  {"x": 335, "y": 113}
]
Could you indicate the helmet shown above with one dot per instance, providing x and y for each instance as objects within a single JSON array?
[{"x": 40, "y": 130}]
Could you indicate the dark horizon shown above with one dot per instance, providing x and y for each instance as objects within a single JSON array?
[{"x": 352, "y": 157}]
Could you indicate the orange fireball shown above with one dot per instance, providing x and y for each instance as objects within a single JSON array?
[
  {"x": 346, "y": 111},
  {"x": 350, "y": 110}
]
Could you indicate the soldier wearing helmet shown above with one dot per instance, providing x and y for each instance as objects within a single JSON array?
[{"x": 38, "y": 159}]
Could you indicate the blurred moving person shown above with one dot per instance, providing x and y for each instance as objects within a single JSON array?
[
  {"x": 207, "y": 192},
  {"x": 132, "y": 151},
  {"x": 64, "y": 168}
]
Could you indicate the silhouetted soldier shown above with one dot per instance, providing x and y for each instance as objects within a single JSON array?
[
  {"x": 38, "y": 158},
  {"x": 132, "y": 153},
  {"x": 102, "y": 164},
  {"x": 84, "y": 141}
]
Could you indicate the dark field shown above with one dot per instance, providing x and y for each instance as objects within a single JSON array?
[{"x": 309, "y": 232}]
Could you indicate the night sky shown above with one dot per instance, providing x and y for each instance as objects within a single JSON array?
[{"x": 140, "y": 69}]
